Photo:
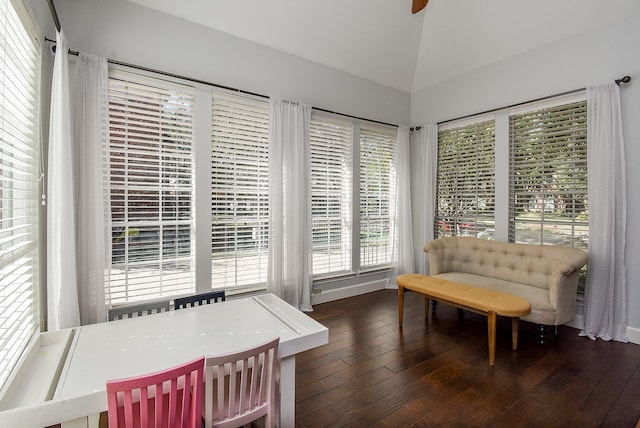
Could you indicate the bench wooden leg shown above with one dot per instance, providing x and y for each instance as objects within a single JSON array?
[
  {"x": 400, "y": 304},
  {"x": 491, "y": 324},
  {"x": 515, "y": 323}
]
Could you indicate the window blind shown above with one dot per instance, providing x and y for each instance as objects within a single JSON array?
[
  {"x": 331, "y": 189},
  {"x": 548, "y": 176},
  {"x": 465, "y": 189},
  {"x": 239, "y": 192},
  {"x": 19, "y": 178},
  {"x": 377, "y": 194},
  {"x": 151, "y": 140}
]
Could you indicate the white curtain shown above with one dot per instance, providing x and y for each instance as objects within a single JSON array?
[
  {"x": 428, "y": 159},
  {"x": 93, "y": 210},
  {"x": 62, "y": 291},
  {"x": 289, "y": 267},
  {"x": 402, "y": 233},
  {"x": 605, "y": 291}
]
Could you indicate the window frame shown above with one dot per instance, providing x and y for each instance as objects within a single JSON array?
[
  {"x": 331, "y": 128},
  {"x": 257, "y": 108},
  {"x": 381, "y": 139},
  {"x": 178, "y": 283},
  {"x": 578, "y": 101},
  {"x": 460, "y": 135}
]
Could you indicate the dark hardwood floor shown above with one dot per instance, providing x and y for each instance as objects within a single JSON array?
[{"x": 437, "y": 374}]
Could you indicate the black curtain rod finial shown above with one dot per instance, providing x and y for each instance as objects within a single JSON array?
[{"x": 625, "y": 79}]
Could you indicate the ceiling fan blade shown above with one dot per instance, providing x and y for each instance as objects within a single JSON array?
[{"x": 418, "y": 5}]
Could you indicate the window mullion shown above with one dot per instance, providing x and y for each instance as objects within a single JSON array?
[
  {"x": 355, "y": 215},
  {"x": 202, "y": 194}
]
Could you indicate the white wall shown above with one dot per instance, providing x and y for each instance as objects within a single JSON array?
[
  {"x": 594, "y": 57},
  {"x": 127, "y": 32}
]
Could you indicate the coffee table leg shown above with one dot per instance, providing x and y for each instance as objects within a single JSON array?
[
  {"x": 514, "y": 332},
  {"x": 491, "y": 324},
  {"x": 400, "y": 304}
]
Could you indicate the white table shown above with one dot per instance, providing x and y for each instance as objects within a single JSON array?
[{"x": 130, "y": 347}]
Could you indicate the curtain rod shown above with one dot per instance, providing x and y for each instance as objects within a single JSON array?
[
  {"x": 625, "y": 79},
  {"x": 54, "y": 14},
  {"x": 228, "y": 88}
]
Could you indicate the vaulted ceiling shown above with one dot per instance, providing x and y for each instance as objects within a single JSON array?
[{"x": 382, "y": 41}]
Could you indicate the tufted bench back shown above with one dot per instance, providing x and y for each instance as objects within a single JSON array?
[{"x": 531, "y": 264}]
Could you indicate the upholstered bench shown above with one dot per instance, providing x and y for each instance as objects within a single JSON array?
[{"x": 490, "y": 303}]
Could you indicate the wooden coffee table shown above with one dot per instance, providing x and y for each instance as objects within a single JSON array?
[{"x": 476, "y": 299}]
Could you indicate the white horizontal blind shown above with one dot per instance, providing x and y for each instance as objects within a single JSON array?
[
  {"x": 151, "y": 188},
  {"x": 548, "y": 176},
  {"x": 377, "y": 194},
  {"x": 331, "y": 189},
  {"x": 19, "y": 198},
  {"x": 465, "y": 189},
  {"x": 239, "y": 192}
]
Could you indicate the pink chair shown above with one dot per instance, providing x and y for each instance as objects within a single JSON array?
[
  {"x": 132, "y": 402},
  {"x": 241, "y": 387}
]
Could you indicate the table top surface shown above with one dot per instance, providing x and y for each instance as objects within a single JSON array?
[{"x": 130, "y": 347}]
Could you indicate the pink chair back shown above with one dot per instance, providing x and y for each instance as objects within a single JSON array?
[
  {"x": 170, "y": 398},
  {"x": 241, "y": 387}
]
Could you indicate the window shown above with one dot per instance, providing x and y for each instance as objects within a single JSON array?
[
  {"x": 465, "y": 191},
  {"x": 157, "y": 128},
  {"x": 19, "y": 180},
  {"x": 548, "y": 176},
  {"x": 152, "y": 185},
  {"x": 377, "y": 196},
  {"x": 239, "y": 192},
  {"x": 331, "y": 189},
  {"x": 542, "y": 172}
]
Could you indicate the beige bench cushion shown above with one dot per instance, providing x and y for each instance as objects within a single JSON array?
[
  {"x": 542, "y": 311},
  {"x": 481, "y": 299}
]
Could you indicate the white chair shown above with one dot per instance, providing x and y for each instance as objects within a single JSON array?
[
  {"x": 241, "y": 387},
  {"x": 138, "y": 310}
]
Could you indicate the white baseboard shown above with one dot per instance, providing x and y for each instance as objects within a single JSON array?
[
  {"x": 344, "y": 292},
  {"x": 633, "y": 334},
  {"x": 577, "y": 322}
]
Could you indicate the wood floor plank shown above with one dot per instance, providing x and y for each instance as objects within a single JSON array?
[
  {"x": 404, "y": 416},
  {"x": 436, "y": 373}
]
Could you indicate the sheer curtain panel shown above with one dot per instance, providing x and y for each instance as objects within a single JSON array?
[
  {"x": 428, "y": 160},
  {"x": 93, "y": 208},
  {"x": 402, "y": 226},
  {"x": 62, "y": 292},
  {"x": 289, "y": 266},
  {"x": 605, "y": 291}
]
